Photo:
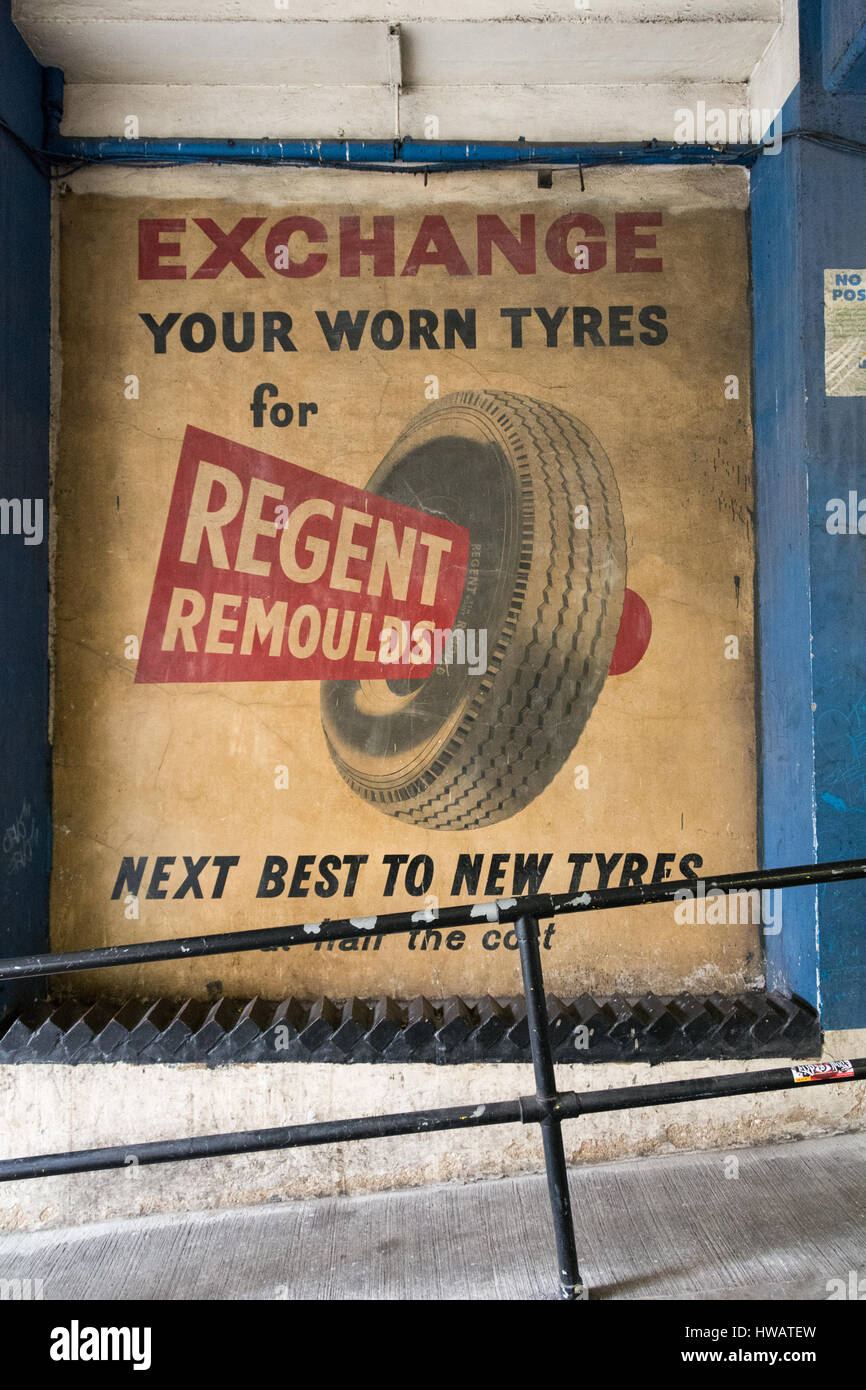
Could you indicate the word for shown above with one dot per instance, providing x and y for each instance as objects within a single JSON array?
[{"x": 280, "y": 413}]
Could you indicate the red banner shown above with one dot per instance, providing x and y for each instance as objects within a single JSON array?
[{"x": 269, "y": 571}]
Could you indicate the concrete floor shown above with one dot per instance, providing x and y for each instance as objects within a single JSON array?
[{"x": 675, "y": 1227}]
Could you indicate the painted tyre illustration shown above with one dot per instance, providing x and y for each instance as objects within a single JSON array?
[{"x": 457, "y": 750}]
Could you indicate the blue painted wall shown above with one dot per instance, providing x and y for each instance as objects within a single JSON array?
[
  {"x": 843, "y": 37},
  {"x": 808, "y": 213},
  {"x": 786, "y": 790},
  {"x": 24, "y": 412}
]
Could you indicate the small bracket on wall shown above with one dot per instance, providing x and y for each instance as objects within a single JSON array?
[{"x": 395, "y": 72}]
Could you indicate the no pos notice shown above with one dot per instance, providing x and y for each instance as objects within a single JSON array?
[{"x": 845, "y": 332}]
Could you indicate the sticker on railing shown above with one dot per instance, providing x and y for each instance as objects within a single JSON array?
[{"x": 822, "y": 1071}]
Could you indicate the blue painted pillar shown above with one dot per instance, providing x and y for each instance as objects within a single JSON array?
[
  {"x": 25, "y": 842},
  {"x": 808, "y": 215}
]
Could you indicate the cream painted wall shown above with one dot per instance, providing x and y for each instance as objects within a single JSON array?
[
  {"x": 554, "y": 70},
  {"x": 50, "y": 1108}
]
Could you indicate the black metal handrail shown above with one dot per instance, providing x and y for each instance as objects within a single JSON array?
[
  {"x": 501, "y": 910},
  {"x": 548, "y": 1107}
]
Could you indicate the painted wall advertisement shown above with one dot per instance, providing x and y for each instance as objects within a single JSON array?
[{"x": 404, "y": 556}]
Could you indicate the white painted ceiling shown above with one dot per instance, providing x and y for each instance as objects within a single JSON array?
[{"x": 484, "y": 69}]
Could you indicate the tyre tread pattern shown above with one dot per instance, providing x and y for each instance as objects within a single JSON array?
[{"x": 471, "y": 783}]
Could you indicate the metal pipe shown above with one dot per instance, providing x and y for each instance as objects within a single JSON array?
[
  {"x": 526, "y": 1109},
  {"x": 697, "y": 1088},
  {"x": 392, "y": 155},
  {"x": 457, "y": 152},
  {"x": 116, "y": 150},
  {"x": 504, "y": 910},
  {"x": 258, "y": 1140},
  {"x": 570, "y": 1284}
]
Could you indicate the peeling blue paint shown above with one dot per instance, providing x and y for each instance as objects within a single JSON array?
[{"x": 808, "y": 214}]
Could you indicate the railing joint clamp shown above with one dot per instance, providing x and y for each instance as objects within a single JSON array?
[{"x": 535, "y": 1109}]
